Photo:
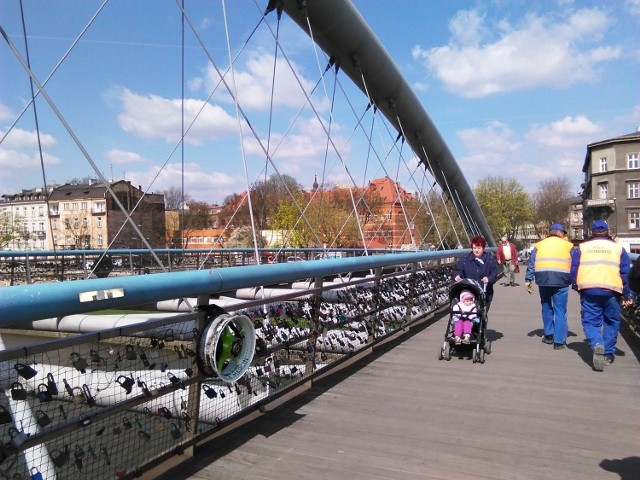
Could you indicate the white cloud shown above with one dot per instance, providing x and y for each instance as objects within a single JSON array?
[
  {"x": 5, "y": 112},
  {"x": 538, "y": 51},
  {"x": 18, "y": 138},
  {"x": 254, "y": 80},
  {"x": 575, "y": 131},
  {"x": 152, "y": 116},
  {"x": 201, "y": 184},
  {"x": 633, "y": 6},
  {"x": 120, "y": 157}
]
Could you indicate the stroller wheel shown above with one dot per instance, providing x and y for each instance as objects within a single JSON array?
[
  {"x": 487, "y": 347},
  {"x": 481, "y": 355},
  {"x": 474, "y": 356},
  {"x": 446, "y": 351}
]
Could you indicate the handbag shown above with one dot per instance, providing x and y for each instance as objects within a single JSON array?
[{"x": 517, "y": 270}]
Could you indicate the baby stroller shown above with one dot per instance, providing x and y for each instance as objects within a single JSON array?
[{"x": 478, "y": 343}]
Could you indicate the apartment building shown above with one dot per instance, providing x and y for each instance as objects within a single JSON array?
[
  {"x": 23, "y": 217},
  {"x": 611, "y": 188}
]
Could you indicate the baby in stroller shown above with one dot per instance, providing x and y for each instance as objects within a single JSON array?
[{"x": 464, "y": 315}]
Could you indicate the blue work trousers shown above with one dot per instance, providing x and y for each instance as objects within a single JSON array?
[
  {"x": 601, "y": 320},
  {"x": 554, "y": 312}
]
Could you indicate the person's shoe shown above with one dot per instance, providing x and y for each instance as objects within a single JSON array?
[
  {"x": 466, "y": 339},
  {"x": 457, "y": 340},
  {"x": 598, "y": 357},
  {"x": 512, "y": 284},
  {"x": 608, "y": 360},
  {"x": 547, "y": 339},
  {"x": 558, "y": 346}
]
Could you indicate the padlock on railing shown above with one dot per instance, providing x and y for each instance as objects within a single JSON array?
[
  {"x": 126, "y": 422},
  {"x": 5, "y": 416},
  {"x": 78, "y": 395},
  {"x": 18, "y": 392},
  {"x": 105, "y": 454},
  {"x": 68, "y": 387},
  {"x": 78, "y": 455},
  {"x": 60, "y": 456},
  {"x": 145, "y": 389},
  {"x": 144, "y": 435},
  {"x": 63, "y": 414},
  {"x": 165, "y": 412},
  {"x": 78, "y": 362},
  {"x": 175, "y": 380},
  {"x": 95, "y": 356},
  {"x": 169, "y": 336},
  {"x": 209, "y": 391},
  {"x": 42, "y": 418},
  {"x": 121, "y": 471},
  {"x": 43, "y": 393},
  {"x": 51, "y": 384},
  {"x": 17, "y": 437},
  {"x": 130, "y": 352},
  {"x": 35, "y": 474},
  {"x": 25, "y": 371},
  {"x": 87, "y": 393},
  {"x": 117, "y": 430},
  {"x": 175, "y": 431},
  {"x": 126, "y": 383},
  {"x": 158, "y": 424}
]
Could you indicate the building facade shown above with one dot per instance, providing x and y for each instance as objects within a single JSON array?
[
  {"x": 24, "y": 221},
  {"x": 611, "y": 189}
]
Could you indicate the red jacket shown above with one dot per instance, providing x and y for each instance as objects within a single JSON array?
[{"x": 500, "y": 254}]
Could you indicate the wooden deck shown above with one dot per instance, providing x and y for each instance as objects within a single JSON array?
[{"x": 529, "y": 412}]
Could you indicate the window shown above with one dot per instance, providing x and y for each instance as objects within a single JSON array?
[
  {"x": 99, "y": 207},
  {"x": 41, "y": 211},
  {"x": 603, "y": 164},
  {"x": 85, "y": 223},
  {"x": 65, "y": 206},
  {"x": 83, "y": 205},
  {"x": 74, "y": 206},
  {"x": 634, "y": 220},
  {"x": 66, "y": 223},
  {"x": 633, "y": 189},
  {"x": 604, "y": 190},
  {"x": 99, "y": 222},
  {"x": 41, "y": 227},
  {"x": 53, "y": 209},
  {"x": 633, "y": 161},
  {"x": 99, "y": 239},
  {"x": 33, "y": 211},
  {"x": 75, "y": 223},
  {"x": 54, "y": 224}
]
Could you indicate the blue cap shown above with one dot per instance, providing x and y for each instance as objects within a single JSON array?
[
  {"x": 558, "y": 226},
  {"x": 599, "y": 226}
]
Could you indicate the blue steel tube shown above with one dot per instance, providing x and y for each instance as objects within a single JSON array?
[{"x": 24, "y": 303}]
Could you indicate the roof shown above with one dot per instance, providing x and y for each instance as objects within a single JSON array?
[{"x": 627, "y": 138}]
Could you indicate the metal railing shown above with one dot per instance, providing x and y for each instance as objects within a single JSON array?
[{"x": 115, "y": 402}]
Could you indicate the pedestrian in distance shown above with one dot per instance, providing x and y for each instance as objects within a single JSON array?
[
  {"x": 600, "y": 273},
  {"x": 550, "y": 267},
  {"x": 507, "y": 256},
  {"x": 478, "y": 265}
]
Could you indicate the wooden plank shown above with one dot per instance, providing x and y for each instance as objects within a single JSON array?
[{"x": 530, "y": 412}]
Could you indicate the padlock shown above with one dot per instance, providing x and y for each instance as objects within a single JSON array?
[
  {"x": 176, "y": 433},
  {"x": 126, "y": 422},
  {"x": 95, "y": 356},
  {"x": 137, "y": 421},
  {"x": 17, "y": 437},
  {"x": 153, "y": 342},
  {"x": 68, "y": 387},
  {"x": 92, "y": 452},
  {"x": 25, "y": 371},
  {"x": 147, "y": 411},
  {"x": 5, "y": 416},
  {"x": 130, "y": 352},
  {"x": 78, "y": 455},
  {"x": 78, "y": 396},
  {"x": 60, "y": 457},
  {"x": 42, "y": 418},
  {"x": 175, "y": 380},
  {"x": 78, "y": 362},
  {"x": 180, "y": 352},
  {"x": 105, "y": 454},
  {"x": 145, "y": 389},
  {"x": 209, "y": 391},
  {"x": 186, "y": 418},
  {"x": 121, "y": 471},
  {"x": 35, "y": 474},
  {"x": 117, "y": 430},
  {"x": 164, "y": 366},
  {"x": 63, "y": 414},
  {"x": 144, "y": 435},
  {"x": 51, "y": 384},
  {"x": 165, "y": 412},
  {"x": 87, "y": 393},
  {"x": 100, "y": 431},
  {"x": 183, "y": 403},
  {"x": 43, "y": 393},
  {"x": 111, "y": 352},
  {"x": 169, "y": 336},
  {"x": 158, "y": 424},
  {"x": 18, "y": 392},
  {"x": 126, "y": 383}
]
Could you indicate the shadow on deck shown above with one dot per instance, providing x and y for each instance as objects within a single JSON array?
[{"x": 529, "y": 412}]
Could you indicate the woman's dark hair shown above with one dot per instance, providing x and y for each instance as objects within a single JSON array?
[{"x": 479, "y": 241}]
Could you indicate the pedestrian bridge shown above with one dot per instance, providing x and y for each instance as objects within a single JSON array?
[{"x": 529, "y": 412}]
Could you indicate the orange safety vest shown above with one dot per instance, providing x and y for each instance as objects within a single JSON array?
[
  {"x": 553, "y": 255},
  {"x": 600, "y": 265}
]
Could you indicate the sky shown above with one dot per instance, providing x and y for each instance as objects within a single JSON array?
[{"x": 517, "y": 89}]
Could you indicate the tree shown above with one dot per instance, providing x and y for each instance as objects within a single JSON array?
[
  {"x": 436, "y": 222},
  {"x": 506, "y": 205},
  {"x": 243, "y": 238},
  {"x": 551, "y": 202},
  {"x": 11, "y": 229},
  {"x": 173, "y": 198}
]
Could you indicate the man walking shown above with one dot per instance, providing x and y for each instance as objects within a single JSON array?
[
  {"x": 600, "y": 272},
  {"x": 507, "y": 256},
  {"x": 550, "y": 266}
]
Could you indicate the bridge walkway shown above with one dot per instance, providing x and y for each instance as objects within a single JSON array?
[{"x": 530, "y": 412}]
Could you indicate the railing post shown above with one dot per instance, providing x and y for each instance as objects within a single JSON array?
[{"x": 27, "y": 266}]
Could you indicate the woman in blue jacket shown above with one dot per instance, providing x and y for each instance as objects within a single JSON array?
[{"x": 479, "y": 266}]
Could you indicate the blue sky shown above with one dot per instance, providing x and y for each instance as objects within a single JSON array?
[{"x": 516, "y": 88}]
